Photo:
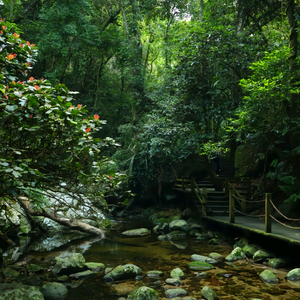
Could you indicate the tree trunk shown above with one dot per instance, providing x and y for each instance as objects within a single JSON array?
[
  {"x": 293, "y": 104},
  {"x": 201, "y": 11},
  {"x": 72, "y": 224}
]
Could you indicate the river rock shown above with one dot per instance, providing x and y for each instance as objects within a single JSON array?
[
  {"x": 250, "y": 249},
  {"x": 216, "y": 256},
  {"x": 200, "y": 266},
  {"x": 137, "y": 232},
  {"x": 10, "y": 273},
  {"x": 74, "y": 262},
  {"x": 54, "y": 291},
  {"x": 277, "y": 263},
  {"x": 241, "y": 243},
  {"x": 208, "y": 294},
  {"x": 180, "y": 225},
  {"x": 197, "y": 257},
  {"x": 174, "y": 281},
  {"x": 235, "y": 255},
  {"x": 268, "y": 277},
  {"x": 32, "y": 268},
  {"x": 22, "y": 293},
  {"x": 95, "y": 266},
  {"x": 177, "y": 273},
  {"x": 180, "y": 244},
  {"x": 203, "y": 275},
  {"x": 143, "y": 293},
  {"x": 155, "y": 273},
  {"x": 172, "y": 293},
  {"x": 82, "y": 275},
  {"x": 293, "y": 275},
  {"x": 123, "y": 272},
  {"x": 261, "y": 255}
]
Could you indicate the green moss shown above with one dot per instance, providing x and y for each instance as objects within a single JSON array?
[
  {"x": 200, "y": 265},
  {"x": 105, "y": 223}
]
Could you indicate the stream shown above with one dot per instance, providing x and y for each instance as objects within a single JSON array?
[{"x": 239, "y": 280}]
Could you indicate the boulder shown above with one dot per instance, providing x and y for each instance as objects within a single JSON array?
[
  {"x": 197, "y": 257},
  {"x": 172, "y": 293},
  {"x": 143, "y": 293},
  {"x": 200, "y": 266},
  {"x": 277, "y": 263},
  {"x": 173, "y": 281},
  {"x": 180, "y": 225},
  {"x": 74, "y": 262},
  {"x": 208, "y": 294},
  {"x": 293, "y": 275},
  {"x": 123, "y": 272},
  {"x": 137, "y": 232},
  {"x": 54, "y": 291},
  {"x": 95, "y": 266},
  {"x": 268, "y": 277},
  {"x": 177, "y": 273},
  {"x": 250, "y": 249},
  {"x": 261, "y": 255},
  {"x": 24, "y": 293},
  {"x": 235, "y": 255},
  {"x": 216, "y": 256}
]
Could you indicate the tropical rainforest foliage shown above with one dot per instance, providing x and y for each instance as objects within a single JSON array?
[{"x": 174, "y": 79}]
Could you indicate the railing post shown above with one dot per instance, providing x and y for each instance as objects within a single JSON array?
[
  {"x": 268, "y": 212},
  {"x": 204, "y": 211},
  {"x": 182, "y": 183},
  {"x": 231, "y": 206},
  {"x": 243, "y": 204}
]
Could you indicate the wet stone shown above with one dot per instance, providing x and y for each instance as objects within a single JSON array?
[
  {"x": 200, "y": 265},
  {"x": 155, "y": 273},
  {"x": 177, "y": 273},
  {"x": 203, "y": 275},
  {"x": 174, "y": 281},
  {"x": 82, "y": 275},
  {"x": 172, "y": 293}
]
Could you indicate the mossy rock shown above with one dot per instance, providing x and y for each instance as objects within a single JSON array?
[
  {"x": 294, "y": 275},
  {"x": 173, "y": 281},
  {"x": 74, "y": 262},
  {"x": 235, "y": 255},
  {"x": 261, "y": 255},
  {"x": 177, "y": 273},
  {"x": 95, "y": 266},
  {"x": 143, "y": 293},
  {"x": 172, "y": 293},
  {"x": 200, "y": 266},
  {"x": 54, "y": 291},
  {"x": 208, "y": 294},
  {"x": 123, "y": 272},
  {"x": 33, "y": 268},
  {"x": 277, "y": 263},
  {"x": 250, "y": 249},
  {"x": 216, "y": 256},
  {"x": 155, "y": 273},
  {"x": 241, "y": 243},
  {"x": 268, "y": 277},
  {"x": 137, "y": 232}
]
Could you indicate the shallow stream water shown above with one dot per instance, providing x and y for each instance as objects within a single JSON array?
[{"x": 232, "y": 281}]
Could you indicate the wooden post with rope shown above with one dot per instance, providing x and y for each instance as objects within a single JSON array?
[
  {"x": 205, "y": 202},
  {"x": 268, "y": 212},
  {"x": 231, "y": 206}
]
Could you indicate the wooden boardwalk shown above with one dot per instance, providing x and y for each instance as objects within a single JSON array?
[{"x": 257, "y": 225}]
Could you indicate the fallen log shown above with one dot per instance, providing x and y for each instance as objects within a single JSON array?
[{"x": 72, "y": 224}]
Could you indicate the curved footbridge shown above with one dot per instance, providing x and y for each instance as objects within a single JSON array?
[{"x": 229, "y": 208}]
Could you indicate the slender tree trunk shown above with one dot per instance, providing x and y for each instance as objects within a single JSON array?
[
  {"x": 72, "y": 224},
  {"x": 201, "y": 11},
  {"x": 293, "y": 104}
]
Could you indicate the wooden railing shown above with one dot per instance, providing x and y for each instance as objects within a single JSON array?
[{"x": 191, "y": 185}]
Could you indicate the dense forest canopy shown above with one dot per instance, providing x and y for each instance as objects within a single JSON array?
[{"x": 176, "y": 79}]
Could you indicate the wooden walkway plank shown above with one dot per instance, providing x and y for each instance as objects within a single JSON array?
[{"x": 257, "y": 225}]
